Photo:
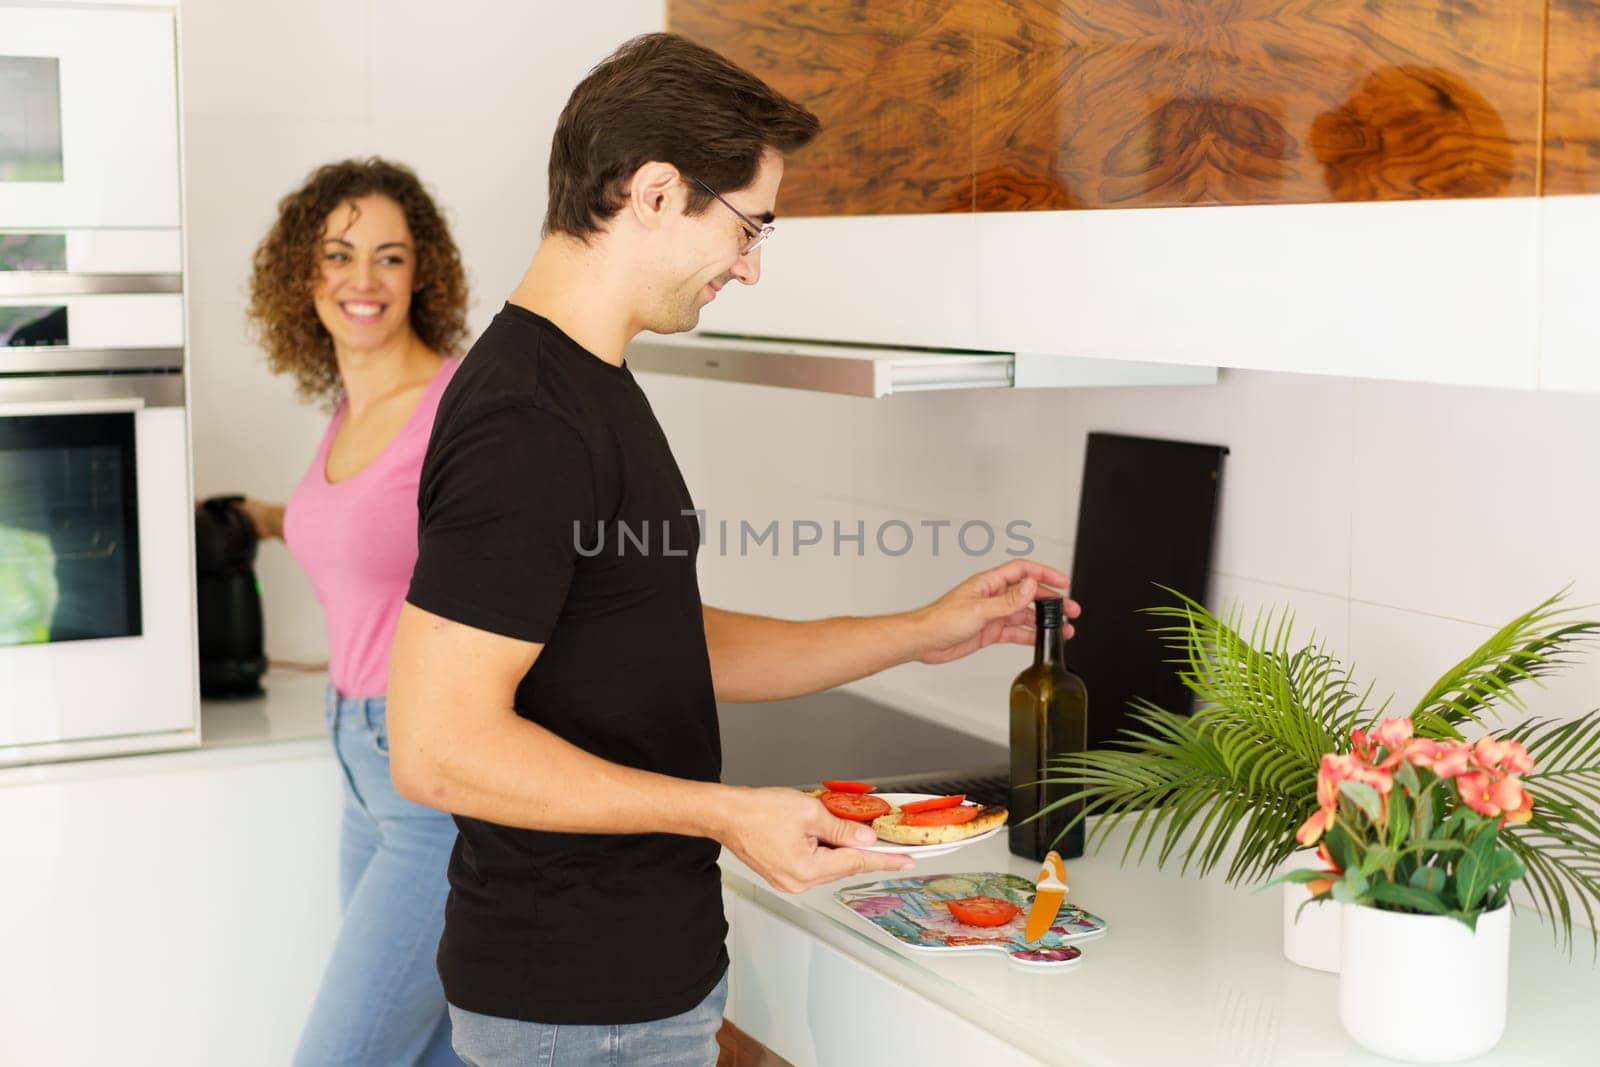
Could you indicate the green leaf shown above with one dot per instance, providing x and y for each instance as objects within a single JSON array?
[
  {"x": 1475, "y": 871},
  {"x": 1428, "y": 879},
  {"x": 1422, "y": 815},
  {"x": 1364, "y": 797},
  {"x": 1343, "y": 851},
  {"x": 1299, "y": 876},
  {"x": 1344, "y": 893},
  {"x": 1409, "y": 897},
  {"x": 1536, "y": 643},
  {"x": 1377, "y": 858},
  {"x": 1436, "y": 844},
  {"x": 1399, "y": 821}
]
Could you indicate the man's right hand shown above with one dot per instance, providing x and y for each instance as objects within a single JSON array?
[{"x": 795, "y": 843}]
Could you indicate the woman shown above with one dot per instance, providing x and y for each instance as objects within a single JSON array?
[{"x": 358, "y": 293}]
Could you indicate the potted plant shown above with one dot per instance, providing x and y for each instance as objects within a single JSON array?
[
  {"x": 1231, "y": 784},
  {"x": 1414, "y": 834}
]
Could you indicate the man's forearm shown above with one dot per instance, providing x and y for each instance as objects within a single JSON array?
[
  {"x": 759, "y": 658},
  {"x": 516, "y": 773}
]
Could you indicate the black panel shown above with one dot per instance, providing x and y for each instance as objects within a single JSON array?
[
  {"x": 1147, "y": 515},
  {"x": 69, "y": 528}
]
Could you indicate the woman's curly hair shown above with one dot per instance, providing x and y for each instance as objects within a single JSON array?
[{"x": 285, "y": 272}]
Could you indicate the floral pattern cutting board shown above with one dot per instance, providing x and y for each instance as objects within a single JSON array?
[{"x": 912, "y": 911}]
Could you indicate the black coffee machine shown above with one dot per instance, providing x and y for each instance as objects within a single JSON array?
[{"x": 232, "y": 660}]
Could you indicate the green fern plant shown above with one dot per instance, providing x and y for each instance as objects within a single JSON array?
[{"x": 1235, "y": 780}]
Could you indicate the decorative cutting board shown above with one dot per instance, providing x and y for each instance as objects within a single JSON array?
[{"x": 912, "y": 911}]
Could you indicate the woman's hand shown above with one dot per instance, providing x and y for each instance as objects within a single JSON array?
[{"x": 266, "y": 518}]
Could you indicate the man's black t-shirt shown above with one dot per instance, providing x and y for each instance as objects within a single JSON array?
[{"x": 551, "y": 510}]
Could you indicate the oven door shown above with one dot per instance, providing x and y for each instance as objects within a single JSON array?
[
  {"x": 96, "y": 591},
  {"x": 88, "y": 117}
]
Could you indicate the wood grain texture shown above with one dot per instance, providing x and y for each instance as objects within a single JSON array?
[
  {"x": 892, "y": 83},
  {"x": 735, "y": 1048},
  {"x": 1010, "y": 105},
  {"x": 1146, "y": 103},
  {"x": 1572, "y": 99}
]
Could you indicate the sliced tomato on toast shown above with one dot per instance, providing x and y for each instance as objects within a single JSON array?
[
  {"x": 857, "y": 807},
  {"x": 941, "y": 816},
  {"x": 934, "y": 803}
]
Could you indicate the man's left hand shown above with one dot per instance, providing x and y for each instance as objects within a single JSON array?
[{"x": 992, "y": 605}]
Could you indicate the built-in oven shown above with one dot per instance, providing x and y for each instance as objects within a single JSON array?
[{"x": 97, "y": 648}]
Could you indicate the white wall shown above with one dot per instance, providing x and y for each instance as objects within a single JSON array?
[
  {"x": 467, "y": 93},
  {"x": 1404, "y": 522}
]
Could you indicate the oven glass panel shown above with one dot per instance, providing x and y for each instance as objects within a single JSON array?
[
  {"x": 30, "y": 119},
  {"x": 33, "y": 251},
  {"x": 69, "y": 528},
  {"x": 30, "y": 326}
]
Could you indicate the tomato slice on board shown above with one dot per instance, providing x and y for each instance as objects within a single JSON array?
[
  {"x": 934, "y": 804},
  {"x": 941, "y": 817},
  {"x": 857, "y": 807},
  {"x": 983, "y": 911},
  {"x": 838, "y": 786}
]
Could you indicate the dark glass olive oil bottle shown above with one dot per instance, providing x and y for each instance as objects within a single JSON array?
[{"x": 1049, "y": 717}]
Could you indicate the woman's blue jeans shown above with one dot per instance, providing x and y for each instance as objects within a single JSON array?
[{"x": 381, "y": 1001}]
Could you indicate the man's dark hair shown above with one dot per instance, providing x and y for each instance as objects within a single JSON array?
[{"x": 662, "y": 98}]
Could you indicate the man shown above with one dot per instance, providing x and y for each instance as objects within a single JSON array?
[{"x": 555, "y": 675}]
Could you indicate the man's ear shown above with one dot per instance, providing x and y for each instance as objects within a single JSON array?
[{"x": 654, "y": 193}]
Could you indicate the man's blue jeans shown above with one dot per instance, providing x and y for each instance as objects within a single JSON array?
[{"x": 687, "y": 1040}]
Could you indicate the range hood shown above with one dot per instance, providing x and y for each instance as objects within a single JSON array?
[{"x": 882, "y": 370}]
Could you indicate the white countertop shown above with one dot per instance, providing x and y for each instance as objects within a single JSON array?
[
  {"x": 291, "y": 710},
  {"x": 1191, "y": 971},
  {"x": 286, "y": 723}
]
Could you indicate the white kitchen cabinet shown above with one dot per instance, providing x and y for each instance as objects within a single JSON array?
[
  {"x": 1569, "y": 356},
  {"x": 170, "y": 909},
  {"x": 1486, "y": 292}
]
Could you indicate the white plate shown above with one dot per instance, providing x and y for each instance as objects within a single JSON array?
[{"x": 902, "y": 799}]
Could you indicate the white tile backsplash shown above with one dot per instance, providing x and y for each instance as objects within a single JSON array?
[
  {"x": 1474, "y": 504},
  {"x": 1348, "y": 501}
]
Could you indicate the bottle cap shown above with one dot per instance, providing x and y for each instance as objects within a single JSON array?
[{"x": 1048, "y": 612}]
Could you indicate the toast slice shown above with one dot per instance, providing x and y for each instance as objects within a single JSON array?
[{"x": 890, "y": 828}]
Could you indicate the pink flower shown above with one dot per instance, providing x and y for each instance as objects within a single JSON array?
[
  {"x": 1393, "y": 734},
  {"x": 1376, "y": 777},
  {"x": 1506, "y": 757},
  {"x": 1477, "y": 790},
  {"x": 1319, "y": 886},
  {"x": 1321, "y": 822},
  {"x": 1513, "y": 800},
  {"x": 1360, "y": 745},
  {"x": 1444, "y": 758}
]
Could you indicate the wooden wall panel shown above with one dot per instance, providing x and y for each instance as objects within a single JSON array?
[
  {"x": 1572, "y": 98},
  {"x": 1007, "y": 105},
  {"x": 1145, "y": 103},
  {"x": 892, "y": 83}
]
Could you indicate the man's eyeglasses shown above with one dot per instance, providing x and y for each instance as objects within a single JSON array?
[{"x": 756, "y": 233}]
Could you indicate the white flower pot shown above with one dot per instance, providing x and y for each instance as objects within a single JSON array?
[
  {"x": 1310, "y": 937},
  {"x": 1423, "y": 988}
]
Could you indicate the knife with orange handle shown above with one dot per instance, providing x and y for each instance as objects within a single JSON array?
[{"x": 1048, "y": 895}]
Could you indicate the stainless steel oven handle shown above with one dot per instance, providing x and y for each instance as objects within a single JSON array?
[
  {"x": 154, "y": 390},
  {"x": 72, "y": 407},
  {"x": 63, "y": 283}
]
